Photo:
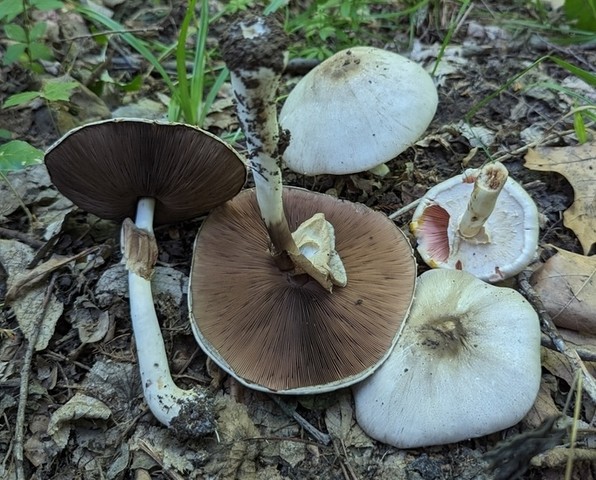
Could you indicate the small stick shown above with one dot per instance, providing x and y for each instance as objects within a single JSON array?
[
  {"x": 552, "y": 332},
  {"x": 157, "y": 457},
  {"x": 405, "y": 209},
  {"x": 24, "y": 387},
  {"x": 22, "y": 237},
  {"x": 313, "y": 431},
  {"x": 585, "y": 354}
]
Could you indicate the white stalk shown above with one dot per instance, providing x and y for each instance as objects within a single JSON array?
[
  {"x": 184, "y": 410},
  {"x": 489, "y": 183},
  {"x": 257, "y": 113},
  {"x": 256, "y": 54}
]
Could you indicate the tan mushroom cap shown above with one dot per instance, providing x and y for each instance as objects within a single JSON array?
[
  {"x": 106, "y": 167},
  {"x": 287, "y": 334}
]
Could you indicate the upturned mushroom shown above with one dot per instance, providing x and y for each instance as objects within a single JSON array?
[
  {"x": 257, "y": 311},
  {"x": 466, "y": 365},
  {"x": 355, "y": 111},
  {"x": 482, "y": 222},
  {"x": 159, "y": 173}
]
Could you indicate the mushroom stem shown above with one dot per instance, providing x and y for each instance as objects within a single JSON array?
[
  {"x": 187, "y": 411},
  {"x": 255, "y": 51},
  {"x": 257, "y": 113},
  {"x": 487, "y": 186}
]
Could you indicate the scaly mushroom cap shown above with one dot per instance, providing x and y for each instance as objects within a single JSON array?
[
  {"x": 356, "y": 110},
  {"x": 466, "y": 364},
  {"x": 105, "y": 167},
  {"x": 287, "y": 334}
]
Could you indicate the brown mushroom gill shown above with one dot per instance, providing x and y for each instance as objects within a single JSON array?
[
  {"x": 125, "y": 160},
  {"x": 283, "y": 334}
]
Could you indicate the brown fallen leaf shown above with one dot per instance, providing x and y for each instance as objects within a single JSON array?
[
  {"x": 29, "y": 278},
  {"x": 566, "y": 283},
  {"x": 578, "y": 165}
]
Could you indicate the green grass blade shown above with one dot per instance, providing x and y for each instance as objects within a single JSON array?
[
  {"x": 184, "y": 94},
  {"x": 587, "y": 77},
  {"x": 133, "y": 41},
  {"x": 501, "y": 89},
  {"x": 210, "y": 98},
  {"x": 462, "y": 11},
  {"x": 200, "y": 58}
]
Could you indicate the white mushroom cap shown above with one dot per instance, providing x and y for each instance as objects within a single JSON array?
[
  {"x": 467, "y": 364},
  {"x": 510, "y": 232},
  {"x": 356, "y": 110}
]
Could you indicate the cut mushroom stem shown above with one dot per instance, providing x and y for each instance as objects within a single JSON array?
[
  {"x": 487, "y": 186},
  {"x": 186, "y": 411},
  {"x": 255, "y": 51}
]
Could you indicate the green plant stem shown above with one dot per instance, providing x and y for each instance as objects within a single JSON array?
[
  {"x": 197, "y": 83},
  {"x": 134, "y": 42},
  {"x": 184, "y": 96}
]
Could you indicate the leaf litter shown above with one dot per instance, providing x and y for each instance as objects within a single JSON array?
[{"x": 85, "y": 388}]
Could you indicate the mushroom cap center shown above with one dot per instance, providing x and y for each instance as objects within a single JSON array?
[{"x": 444, "y": 336}]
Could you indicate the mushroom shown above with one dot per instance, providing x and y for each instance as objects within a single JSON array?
[
  {"x": 356, "y": 110},
  {"x": 163, "y": 173},
  {"x": 255, "y": 79},
  {"x": 274, "y": 331},
  {"x": 466, "y": 365},
  {"x": 272, "y": 324},
  {"x": 482, "y": 222}
]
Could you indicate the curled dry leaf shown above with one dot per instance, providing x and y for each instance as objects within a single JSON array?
[
  {"x": 578, "y": 165},
  {"x": 566, "y": 283},
  {"x": 79, "y": 406},
  {"x": 27, "y": 279}
]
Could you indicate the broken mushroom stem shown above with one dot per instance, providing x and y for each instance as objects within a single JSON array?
[
  {"x": 187, "y": 411},
  {"x": 487, "y": 186},
  {"x": 255, "y": 51}
]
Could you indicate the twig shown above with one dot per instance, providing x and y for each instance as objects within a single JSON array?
[
  {"x": 503, "y": 157},
  {"x": 300, "y": 66},
  {"x": 313, "y": 431},
  {"x": 276, "y": 438},
  {"x": 405, "y": 209},
  {"x": 585, "y": 354},
  {"x": 553, "y": 333},
  {"x": 24, "y": 387},
  {"x": 157, "y": 457},
  {"x": 22, "y": 237},
  {"x": 19, "y": 199}
]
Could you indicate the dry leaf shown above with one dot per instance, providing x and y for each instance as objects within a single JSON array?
[
  {"x": 79, "y": 406},
  {"x": 28, "y": 305},
  {"x": 566, "y": 283},
  {"x": 578, "y": 165},
  {"x": 338, "y": 418},
  {"x": 544, "y": 407},
  {"x": 29, "y": 278},
  {"x": 558, "y": 364}
]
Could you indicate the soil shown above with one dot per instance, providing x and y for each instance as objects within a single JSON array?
[{"x": 89, "y": 349}]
